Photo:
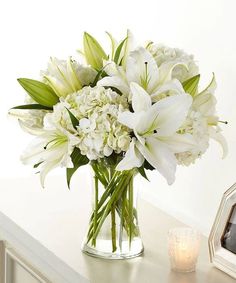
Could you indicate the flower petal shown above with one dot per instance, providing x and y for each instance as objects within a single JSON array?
[
  {"x": 179, "y": 142},
  {"x": 129, "y": 119},
  {"x": 165, "y": 116},
  {"x": 172, "y": 112},
  {"x": 33, "y": 152},
  {"x": 160, "y": 157},
  {"x": 172, "y": 87},
  {"x": 217, "y": 136},
  {"x": 142, "y": 68},
  {"x": 116, "y": 82},
  {"x": 141, "y": 100},
  {"x": 166, "y": 70},
  {"x": 45, "y": 169},
  {"x": 132, "y": 159}
]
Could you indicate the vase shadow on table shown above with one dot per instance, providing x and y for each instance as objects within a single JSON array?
[{"x": 102, "y": 270}]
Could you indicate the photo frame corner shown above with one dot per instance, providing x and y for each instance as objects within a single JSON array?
[{"x": 222, "y": 238}]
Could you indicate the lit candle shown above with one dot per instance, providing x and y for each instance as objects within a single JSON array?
[{"x": 183, "y": 248}]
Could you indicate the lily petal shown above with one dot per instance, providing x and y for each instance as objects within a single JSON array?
[
  {"x": 166, "y": 70},
  {"x": 217, "y": 136},
  {"x": 116, "y": 82},
  {"x": 45, "y": 169},
  {"x": 179, "y": 142},
  {"x": 160, "y": 157},
  {"x": 142, "y": 68},
  {"x": 172, "y": 112},
  {"x": 141, "y": 100},
  {"x": 132, "y": 159},
  {"x": 173, "y": 87},
  {"x": 33, "y": 152},
  {"x": 129, "y": 119},
  {"x": 205, "y": 103},
  {"x": 165, "y": 116}
]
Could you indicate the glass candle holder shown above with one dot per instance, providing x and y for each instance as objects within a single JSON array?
[{"x": 183, "y": 248}]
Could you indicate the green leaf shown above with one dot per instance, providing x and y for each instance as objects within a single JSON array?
[
  {"x": 142, "y": 172},
  {"x": 74, "y": 120},
  {"x": 118, "y": 51},
  {"x": 78, "y": 160},
  {"x": 40, "y": 92},
  {"x": 191, "y": 85},
  {"x": 148, "y": 166},
  {"x": 33, "y": 106},
  {"x": 100, "y": 72}
]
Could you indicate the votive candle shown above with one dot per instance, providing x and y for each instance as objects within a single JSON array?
[{"x": 183, "y": 248}]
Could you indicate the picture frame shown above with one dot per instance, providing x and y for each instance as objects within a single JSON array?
[{"x": 222, "y": 239}]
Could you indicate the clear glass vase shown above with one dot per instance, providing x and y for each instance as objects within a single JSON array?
[{"x": 113, "y": 231}]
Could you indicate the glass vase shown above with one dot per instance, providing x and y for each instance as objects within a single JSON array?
[{"x": 113, "y": 231}]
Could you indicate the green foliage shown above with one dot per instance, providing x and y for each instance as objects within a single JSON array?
[
  {"x": 118, "y": 52},
  {"x": 40, "y": 92},
  {"x": 191, "y": 85},
  {"x": 74, "y": 120},
  {"x": 33, "y": 107},
  {"x": 141, "y": 170},
  {"x": 78, "y": 160},
  {"x": 148, "y": 166}
]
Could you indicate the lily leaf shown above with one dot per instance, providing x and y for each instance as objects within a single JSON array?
[
  {"x": 100, "y": 73},
  {"x": 40, "y": 92},
  {"x": 148, "y": 166},
  {"x": 33, "y": 107},
  {"x": 78, "y": 160},
  {"x": 191, "y": 85},
  {"x": 74, "y": 120},
  {"x": 141, "y": 170},
  {"x": 118, "y": 51}
]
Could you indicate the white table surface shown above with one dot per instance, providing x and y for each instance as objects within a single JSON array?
[{"x": 48, "y": 226}]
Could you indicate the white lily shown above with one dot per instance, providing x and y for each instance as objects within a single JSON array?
[
  {"x": 155, "y": 129},
  {"x": 205, "y": 103},
  {"x": 50, "y": 150},
  {"x": 142, "y": 69},
  {"x": 66, "y": 77}
]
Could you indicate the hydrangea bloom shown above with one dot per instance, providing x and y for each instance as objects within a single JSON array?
[
  {"x": 99, "y": 130},
  {"x": 163, "y": 54}
]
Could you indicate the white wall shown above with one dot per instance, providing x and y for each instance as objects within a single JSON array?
[{"x": 31, "y": 31}]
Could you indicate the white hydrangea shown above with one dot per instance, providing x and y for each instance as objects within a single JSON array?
[
  {"x": 97, "y": 110},
  {"x": 66, "y": 77},
  {"x": 163, "y": 54}
]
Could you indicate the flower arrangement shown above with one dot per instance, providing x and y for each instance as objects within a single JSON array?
[{"x": 137, "y": 109}]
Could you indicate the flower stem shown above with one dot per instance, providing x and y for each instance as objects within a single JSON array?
[
  {"x": 131, "y": 200},
  {"x": 95, "y": 209},
  {"x": 113, "y": 228}
]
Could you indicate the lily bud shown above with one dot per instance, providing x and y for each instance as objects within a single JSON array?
[{"x": 93, "y": 52}]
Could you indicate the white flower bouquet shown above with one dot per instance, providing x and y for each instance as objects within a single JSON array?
[{"x": 138, "y": 108}]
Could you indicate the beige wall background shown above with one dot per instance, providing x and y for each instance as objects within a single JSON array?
[{"x": 32, "y": 31}]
